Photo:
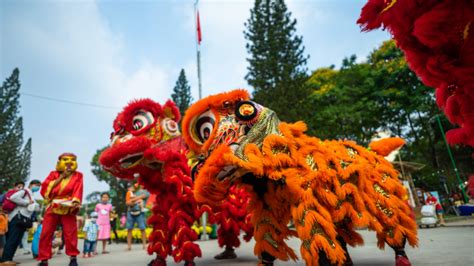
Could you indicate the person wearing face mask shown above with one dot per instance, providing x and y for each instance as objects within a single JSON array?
[
  {"x": 20, "y": 219},
  {"x": 62, "y": 192},
  {"x": 103, "y": 209},
  {"x": 91, "y": 230}
]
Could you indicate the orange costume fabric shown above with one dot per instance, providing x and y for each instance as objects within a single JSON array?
[
  {"x": 327, "y": 188},
  {"x": 69, "y": 189}
]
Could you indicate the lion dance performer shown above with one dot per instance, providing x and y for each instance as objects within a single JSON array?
[
  {"x": 62, "y": 191},
  {"x": 437, "y": 37},
  {"x": 328, "y": 188},
  {"x": 147, "y": 144}
]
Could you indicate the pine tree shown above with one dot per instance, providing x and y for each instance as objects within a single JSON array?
[
  {"x": 14, "y": 158},
  {"x": 182, "y": 93},
  {"x": 277, "y": 64}
]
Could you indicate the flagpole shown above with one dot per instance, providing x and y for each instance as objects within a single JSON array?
[
  {"x": 204, "y": 235},
  {"x": 198, "y": 50}
]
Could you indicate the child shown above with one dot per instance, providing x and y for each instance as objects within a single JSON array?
[
  {"x": 36, "y": 238},
  {"x": 103, "y": 210},
  {"x": 123, "y": 220},
  {"x": 3, "y": 229},
  {"x": 57, "y": 241},
  {"x": 90, "y": 238}
]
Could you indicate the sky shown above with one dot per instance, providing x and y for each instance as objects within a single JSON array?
[{"x": 105, "y": 53}]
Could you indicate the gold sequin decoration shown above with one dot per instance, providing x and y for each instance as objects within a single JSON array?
[
  {"x": 465, "y": 32},
  {"x": 267, "y": 124},
  {"x": 381, "y": 191},
  {"x": 303, "y": 217},
  {"x": 307, "y": 244},
  {"x": 268, "y": 237},
  {"x": 280, "y": 149},
  {"x": 307, "y": 185},
  {"x": 389, "y": 6},
  {"x": 316, "y": 229},
  {"x": 311, "y": 163},
  {"x": 386, "y": 211},
  {"x": 384, "y": 177},
  {"x": 344, "y": 164},
  {"x": 351, "y": 152},
  {"x": 390, "y": 232}
]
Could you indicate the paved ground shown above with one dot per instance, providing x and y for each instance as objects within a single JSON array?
[{"x": 451, "y": 245}]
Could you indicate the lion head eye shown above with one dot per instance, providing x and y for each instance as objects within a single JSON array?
[
  {"x": 204, "y": 126},
  {"x": 142, "y": 120}
]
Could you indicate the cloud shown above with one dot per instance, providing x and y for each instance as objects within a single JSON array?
[{"x": 67, "y": 50}]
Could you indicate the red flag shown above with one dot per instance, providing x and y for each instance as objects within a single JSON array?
[{"x": 199, "y": 37}]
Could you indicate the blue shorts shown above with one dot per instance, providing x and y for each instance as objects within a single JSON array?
[{"x": 138, "y": 219}]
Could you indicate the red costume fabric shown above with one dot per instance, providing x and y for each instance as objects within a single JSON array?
[
  {"x": 69, "y": 189},
  {"x": 437, "y": 37},
  {"x": 232, "y": 217},
  {"x": 147, "y": 144}
]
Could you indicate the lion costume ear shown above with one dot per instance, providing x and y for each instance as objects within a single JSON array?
[{"x": 171, "y": 111}]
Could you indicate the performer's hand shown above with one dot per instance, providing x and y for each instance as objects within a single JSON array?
[{"x": 76, "y": 204}]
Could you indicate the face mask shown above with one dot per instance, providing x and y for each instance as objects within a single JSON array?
[
  {"x": 105, "y": 201},
  {"x": 93, "y": 220},
  {"x": 35, "y": 189}
]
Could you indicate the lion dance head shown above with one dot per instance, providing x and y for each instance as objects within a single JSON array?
[
  {"x": 145, "y": 137},
  {"x": 217, "y": 130}
]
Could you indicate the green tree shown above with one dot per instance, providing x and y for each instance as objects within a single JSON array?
[
  {"x": 382, "y": 93},
  {"x": 342, "y": 105},
  {"x": 15, "y": 158},
  {"x": 182, "y": 93},
  {"x": 277, "y": 64},
  {"x": 118, "y": 187}
]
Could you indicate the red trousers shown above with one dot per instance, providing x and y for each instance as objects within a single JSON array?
[{"x": 50, "y": 223}]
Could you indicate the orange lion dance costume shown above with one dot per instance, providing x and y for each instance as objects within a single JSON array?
[
  {"x": 437, "y": 37},
  {"x": 146, "y": 143},
  {"x": 326, "y": 187}
]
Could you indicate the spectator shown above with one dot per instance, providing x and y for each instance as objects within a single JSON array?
[
  {"x": 91, "y": 230},
  {"x": 24, "y": 243},
  {"x": 5, "y": 201},
  {"x": 36, "y": 238},
  {"x": 57, "y": 241},
  {"x": 19, "y": 220},
  {"x": 103, "y": 210},
  {"x": 432, "y": 200},
  {"x": 3, "y": 229},
  {"x": 135, "y": 213},
  {"x": 113, "y": 225},
  {"x": 123, "y": 220}
]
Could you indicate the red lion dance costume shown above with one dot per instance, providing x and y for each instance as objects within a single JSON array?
[
  {"x": 327, "y": 188},
  {"x": 146, "y": 142},
  {"x": 437, "y": 37}
]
